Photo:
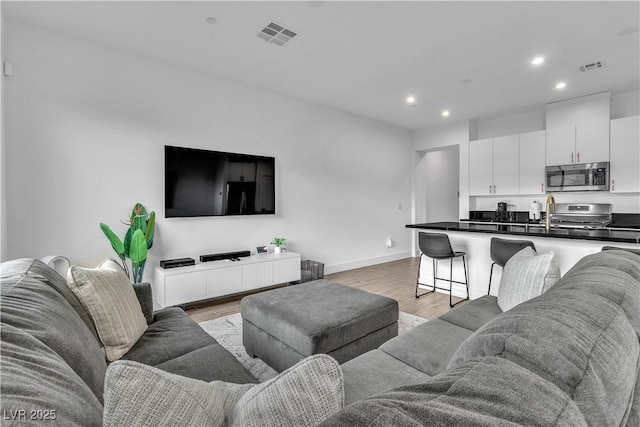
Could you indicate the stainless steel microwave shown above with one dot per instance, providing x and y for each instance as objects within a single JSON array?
[{"x": 578, "y": 177}]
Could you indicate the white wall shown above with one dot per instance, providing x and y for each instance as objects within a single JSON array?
[
  {"x": 529, "y": 121},
  {"x": 625, "y": 104},
  {"x": 438, "y": 138},
  {"x": 442, "y": 180},
  {"x": 86, "y": 126}
]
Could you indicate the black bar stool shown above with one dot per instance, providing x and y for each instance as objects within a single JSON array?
[
  {"x": 502, "y": 249},
  {"x": 437, "y": 246}
]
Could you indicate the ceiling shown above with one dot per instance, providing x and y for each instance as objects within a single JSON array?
[{"x": 366, "y": 57}]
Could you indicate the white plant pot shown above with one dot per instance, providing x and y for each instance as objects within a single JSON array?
[{"x": 277, "y": 249}]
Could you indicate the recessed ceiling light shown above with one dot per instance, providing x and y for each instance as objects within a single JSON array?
[
  {"x": 411, "y": 100},
  {"x": 445, "y": 113},
  {"x": 211, "y": 20},
  {"x": 537, "y": 60},
  {"x": 561, "y": 85}
]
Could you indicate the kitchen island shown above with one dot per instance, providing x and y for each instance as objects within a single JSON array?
[{"x": 568, "y": 244}]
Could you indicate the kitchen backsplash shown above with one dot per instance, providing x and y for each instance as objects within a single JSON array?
[{"x": 620, "y": 202}]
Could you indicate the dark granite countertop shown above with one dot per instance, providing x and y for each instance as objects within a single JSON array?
[{"x": 519, "y": 229}]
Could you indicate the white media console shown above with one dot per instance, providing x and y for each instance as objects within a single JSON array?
[{"x": 214, "y": 279}]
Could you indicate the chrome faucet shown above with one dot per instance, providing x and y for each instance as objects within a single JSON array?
[{"x": 550, "y": 207}]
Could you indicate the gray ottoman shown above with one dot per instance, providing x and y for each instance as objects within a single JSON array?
[{"x": 285, "y": 325}]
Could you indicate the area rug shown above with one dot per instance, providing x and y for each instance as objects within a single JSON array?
[{"x": 228, "y": 332}]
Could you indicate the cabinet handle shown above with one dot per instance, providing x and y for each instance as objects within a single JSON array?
[
  {"x": 542, "y": 188},
  {"x": 494, "y": 189},
  {"x": 578, "y": 161},
  {"x": 490, "y": 192},
  {"x": 571, "y": 157},
  {"x": 613, "y": 185}
]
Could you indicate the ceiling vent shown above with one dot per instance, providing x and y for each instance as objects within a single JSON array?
[
  {"x": 277, "y": 34},
  {"x": 591, "y": 66}
]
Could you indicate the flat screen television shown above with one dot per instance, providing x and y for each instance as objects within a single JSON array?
[{"x": 212, "y": 183}]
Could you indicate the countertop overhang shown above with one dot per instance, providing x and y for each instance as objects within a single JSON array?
[{"x": 518, "y": 229}]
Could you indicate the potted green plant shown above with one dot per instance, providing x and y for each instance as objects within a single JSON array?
[
  {"x": 278, "y": 242},
  {"x": 137, "y": 240}
]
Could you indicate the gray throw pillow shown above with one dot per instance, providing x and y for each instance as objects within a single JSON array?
[
  {"x": 526, "y": 275},
  {"x": 109, "y": 298},
  {"x": 303, "y": 395}
]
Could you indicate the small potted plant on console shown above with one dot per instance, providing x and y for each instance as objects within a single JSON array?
[{"x": 278, "y": 242}]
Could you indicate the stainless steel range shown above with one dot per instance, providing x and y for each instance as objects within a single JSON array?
[{"x": 581, "y": 215}]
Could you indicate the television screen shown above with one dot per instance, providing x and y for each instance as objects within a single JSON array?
[{"x": 212, "y": 183}]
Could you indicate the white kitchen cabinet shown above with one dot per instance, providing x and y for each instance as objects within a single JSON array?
[
  {"x": 532, "y": 163},
  {"x": 578, "y": 130},
  {"x": 592, "y": 136},
  {"x": 561, "y": 144},
  {"x": 625, "y": 155},
  {"x": 481, "y": 167},
  {"x": 493, "y": 166},
  {"x": 505, "y": 165},
  {"x": 214, "y": 279}
]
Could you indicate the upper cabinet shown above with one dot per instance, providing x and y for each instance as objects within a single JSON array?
[
  {"x": 507, "y": 165},
  {"x": 532, "y": 162},
  {"x": 578, "y": 130},
  {"x": 493, "y": 166},
  {"x": 625, "y": 155},
  {"x": 481, "y": 167}
]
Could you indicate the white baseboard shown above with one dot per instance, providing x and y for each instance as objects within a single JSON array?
[{"x": 336, "y": 268}]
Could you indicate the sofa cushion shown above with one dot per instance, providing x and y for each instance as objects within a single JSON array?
[
  {"x": 303, "y": 395},
  {"x": 473, "y": 314},
  {"x": 109, "y": 298},
  {"x": 38, "y": 382},
  {"x": 634, "y": 413},
  {"x": 210, "y": 363},
  {"x": 176, "y": 344},
  {"x": 616, "y": 259},
  {"x": 144, "y": 293},
  {"x": 40, "y": 271},
  {"x": 614, "y": 285},
  {"x": 583, "y": 343},
  {"x": 375, "y": 372},
  {"x": 526, "y": 275},
  {"x": 39, "y": 310},
  {"x": 482, "y": 392},
  {"x": 427, "y": 347}
]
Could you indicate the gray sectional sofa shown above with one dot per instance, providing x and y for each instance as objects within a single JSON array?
[
  {"x": 417, "y": 355},
  {"x": 52, "y": 363},
  {"x": 568, "y": 357}
]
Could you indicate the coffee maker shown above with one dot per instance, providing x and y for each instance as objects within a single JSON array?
[{"x": 501, "y": 213}]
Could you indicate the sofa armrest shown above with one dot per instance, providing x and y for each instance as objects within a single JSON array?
[{"x": 145, "y": 297}]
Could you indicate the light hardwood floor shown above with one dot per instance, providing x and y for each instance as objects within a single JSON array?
[{"x": 395, "y": 279}]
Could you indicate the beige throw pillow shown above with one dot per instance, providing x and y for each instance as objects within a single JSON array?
[
  {"x": 107, "y": 295},
  {"x": 303, "y": 395},
  {"x": 526, "y": 275}
]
